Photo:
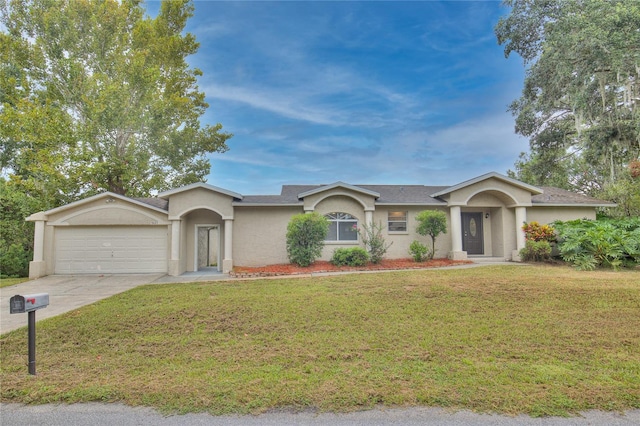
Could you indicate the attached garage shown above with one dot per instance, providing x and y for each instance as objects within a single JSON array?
[{"x": 112, "y": 249}]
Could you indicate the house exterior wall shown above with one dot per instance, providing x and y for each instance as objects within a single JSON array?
[
  {"x": 491, "y": 185},
  {"x": 314, "y": 202},
  {"x": 546, "y": 215},
  {"x": 259, "y": 235},
  {"x": 343, "y": 204},
  {"x": 196, "y": 198}
]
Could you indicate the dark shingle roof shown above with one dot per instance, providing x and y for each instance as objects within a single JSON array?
[
  {"x": 159, "y": 203},
  {"x": 551, "y": 195}
]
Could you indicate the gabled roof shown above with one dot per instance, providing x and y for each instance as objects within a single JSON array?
[
  {"x": 323, "y": 188},
  {"x": 203, "y": 185},
  {"x": 517, "y": 183},
  {"x": 107, "y": 195}
]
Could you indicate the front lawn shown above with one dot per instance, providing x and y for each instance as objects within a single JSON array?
[
  {"x": 539, "y": 340},
  {"x": 6, "y": 282}
]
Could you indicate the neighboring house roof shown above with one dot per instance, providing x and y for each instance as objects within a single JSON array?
[{"x": 561, "y": 197}]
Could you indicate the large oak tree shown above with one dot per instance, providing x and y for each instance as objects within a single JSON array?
[
  {"x": 580, "y": 105},
  {"x": 97, "y": 96}
]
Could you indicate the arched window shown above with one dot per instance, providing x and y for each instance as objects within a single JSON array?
[{"x": 342, "y": 227}]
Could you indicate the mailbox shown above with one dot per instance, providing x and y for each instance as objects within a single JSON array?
[{"x": 27, "y": 303}]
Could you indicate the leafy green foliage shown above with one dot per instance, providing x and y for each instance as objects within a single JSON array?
[
  {"x": 579, "y": 105},
  {"x": 305, "y": 237},
  {"x": 16, "y": 246},
  {"x": 353, "y": 256},
  {"x": 536, "y": 232},
  {"x": 96, "y": 96},
  {"x": 602, "y": 243},
  {"x": 536, "y": 251},
  {"x": 431, "y": 223},
  {"x": 418, "y": 251},
  {"x": 374, "y": 242}
]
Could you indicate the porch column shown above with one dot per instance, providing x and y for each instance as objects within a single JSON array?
[
  {"x": 37, "y": 267},
  {"x": 521, "y": 218},
  {"x": 456, "y": 252},
  {"x": 174, "y": 261},
  {"x": 368, "y": 217},
  {"x": 227, "y": 262}
]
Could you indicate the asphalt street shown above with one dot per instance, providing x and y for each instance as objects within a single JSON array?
[{"x": 118, "y": 414}]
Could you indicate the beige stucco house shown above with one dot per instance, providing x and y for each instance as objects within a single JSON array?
[{"x": 200, "y": 225}]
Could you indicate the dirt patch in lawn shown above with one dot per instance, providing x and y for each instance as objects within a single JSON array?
[{"x": 324, "y": 266}]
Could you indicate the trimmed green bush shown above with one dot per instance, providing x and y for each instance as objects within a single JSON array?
[
  {"x": 536, "y": 251},
  {"x": 418, "y": 251},
  {"x": 306, "y": 233},
  {"x": 355, "y": 256}
]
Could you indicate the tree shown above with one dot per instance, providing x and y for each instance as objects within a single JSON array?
[
  {"x": 580, "y": 101},
  {"x": 431, "y": 223},
  {"x": 306, "y": 233},
  {"x": 96, "y": 96}
]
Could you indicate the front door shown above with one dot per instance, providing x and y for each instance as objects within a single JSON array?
[{"x": 472, "y": 236}]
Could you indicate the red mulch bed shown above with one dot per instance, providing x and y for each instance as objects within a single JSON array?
[{"x": 324, "y": 266}]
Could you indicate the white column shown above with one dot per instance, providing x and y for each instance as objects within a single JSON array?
[
  {"x": 38, "y": 242},
  {"x": 175, "y": 240},
  {"x": 456, "y": 235},
  {"x": 227, "y": 262},
  {"x": 38, "y": 267},
  {"x": 521, "y": 218},
  {"x": 174, "y": 260},
  {"x": 368, "y": 217}
]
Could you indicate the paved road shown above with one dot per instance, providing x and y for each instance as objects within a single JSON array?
[{"x": 116, "y": 414}]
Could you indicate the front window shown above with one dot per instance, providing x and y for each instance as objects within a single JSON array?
[
  {"x": 342, "y": 227},
  {"x": 397, "y": 222}
]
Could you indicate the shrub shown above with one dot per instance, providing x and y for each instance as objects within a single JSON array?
[
  {"x": 535, "y": 232},
  {"x": 305, "y": 237},
  {"x": 374, "y": 241},
  {"x": 432, "y": 223},
  {"x": 418, "y": 251},
  {"x": 536, "y": 251},
  {"x": 590, "y": 244},
  {"x": 355, "y": 256}
]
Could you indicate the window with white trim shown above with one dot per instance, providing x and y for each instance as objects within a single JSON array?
[
  {"x": 342, "y": 227},
  {"x": 397, "y": 222}
]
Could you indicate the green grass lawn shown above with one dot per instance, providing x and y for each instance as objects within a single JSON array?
[
  {"x": 508, "y": 339},
  {"x": 6, "y": 282}
]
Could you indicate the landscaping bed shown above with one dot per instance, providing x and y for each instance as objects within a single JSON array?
[{"x": 324, "y": 266}]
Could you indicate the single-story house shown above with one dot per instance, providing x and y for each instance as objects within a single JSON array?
[{"x": 201, "y": 225}]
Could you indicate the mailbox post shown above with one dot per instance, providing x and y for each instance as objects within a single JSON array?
[{"x": 29, "y": 303}]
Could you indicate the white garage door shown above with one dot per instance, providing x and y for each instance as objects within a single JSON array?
[{"x": 113, "y": 249}]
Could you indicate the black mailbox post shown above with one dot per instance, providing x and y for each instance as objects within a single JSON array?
[{"x": 29, "y": 303}]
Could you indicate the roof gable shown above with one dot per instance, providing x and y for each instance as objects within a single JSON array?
[
  {"x": 336, "y": 185},
  {"x": 169, "y": 193},
  {"x": 492, "y": 175},
  {"x": 106, "y": 195}
]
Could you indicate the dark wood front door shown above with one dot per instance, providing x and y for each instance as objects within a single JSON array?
[{"x": 472, "y": 236}]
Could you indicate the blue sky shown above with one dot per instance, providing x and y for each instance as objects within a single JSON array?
[{"x": 360, "y": 92}]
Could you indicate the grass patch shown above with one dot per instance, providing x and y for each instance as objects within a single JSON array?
[
  {"x": 6, "y": 282},
  {"x": 508, "y": 339}
]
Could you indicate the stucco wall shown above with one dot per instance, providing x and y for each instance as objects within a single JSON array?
[
  {"x": 502, "y": 189},
  {"x": 546, "y": 215},
  {"x": 196, "y": 198},
  {"x": 259, "y": 235},
  {"x": 317, "y": 200},
  {"x": 103, "y": 212}
]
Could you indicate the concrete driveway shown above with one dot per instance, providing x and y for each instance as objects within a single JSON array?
[{"x": 66, "y": 293}]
